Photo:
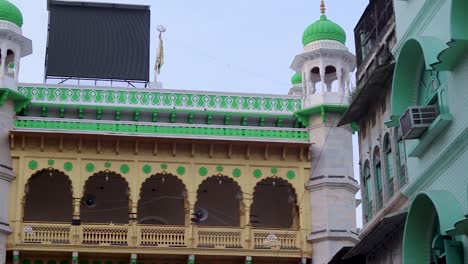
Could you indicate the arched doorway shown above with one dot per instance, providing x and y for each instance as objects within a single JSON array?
[
  {"x": 48, "y": 197},
  {"x": 162, "y": 201},
  {"x": 105, "y": 199},
  {"x": 274, "y": 204},
  {"x": 220, "y": 197}
]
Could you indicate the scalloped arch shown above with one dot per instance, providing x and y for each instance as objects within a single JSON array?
[
  {"x": 280, "y": 179},
  {"x": 161, "y": 174},
  {"x": 56, "y": 174},
  {"x": 96, "y": 174}
]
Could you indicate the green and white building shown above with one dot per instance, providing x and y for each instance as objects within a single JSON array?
[{"x": 425, "y": 106}]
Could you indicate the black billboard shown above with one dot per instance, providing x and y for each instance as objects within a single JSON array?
[{"x": 98, "y": 41}]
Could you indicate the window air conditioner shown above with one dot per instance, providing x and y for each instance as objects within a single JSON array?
[{"x": 416, "y": 120}]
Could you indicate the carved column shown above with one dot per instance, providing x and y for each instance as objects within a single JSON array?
[
  {"x": 76, "y": 211},
  {"x": 132, "y": 221},
  {"x": 17, "y": 64},
  {"x": 190, "y": 227},
  {"x": 2, "y": 61},
  {"x": 247, "y": 226}
]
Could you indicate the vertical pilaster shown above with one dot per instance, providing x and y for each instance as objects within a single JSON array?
[
  {"x": 133, "y": 258},
  {"x": 247, "y": 227},
  {"x": 15, "y": 257},
  {"x": 76, "y": 211},
  {"x": 75, "y": 257},
  {"x": 191, "y": 226},
  {"x": 3, "y": 53},
  {"x": 191, "y": 259}
]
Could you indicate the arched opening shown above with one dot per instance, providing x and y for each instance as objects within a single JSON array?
[
  {"x": 331, "y": 79},
  {"x": 315, "y": 79},
  {"x": 162, "y": 201},
  {"x": 274, "y": 204},
  {"x": 367, "y": 181},
  {"x": 378, "y": 178},
  {"x": 10, "y": 64},
  {"x": 220, "y": 197},
  {"x": 430, "y": 219},
  {"x": 387, "y": 148},
  {"x": 106, "y": 199},
  {"x": 48, "y": 197}
]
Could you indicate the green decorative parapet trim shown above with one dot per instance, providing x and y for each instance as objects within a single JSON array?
[
  {"x": 19, "y": 100},
  {"x": 304, "y": 114},
  {"x": 183, "y": 130},
  {"x": 161, "y": 99}
]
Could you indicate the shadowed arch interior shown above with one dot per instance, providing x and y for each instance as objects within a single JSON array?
[
  {"x": 106, "y": 199},
  {"x": 274, "y": 204},
  {"x": 162, "y": 201},
  {"x": 220, "y": 196},
  {"x": 48, "y": 197}
]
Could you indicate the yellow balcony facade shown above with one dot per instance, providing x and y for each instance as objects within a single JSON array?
[{"x": 96, "y": 195}]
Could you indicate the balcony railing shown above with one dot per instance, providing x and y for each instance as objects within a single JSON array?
[{"x": 160, "y": 236}]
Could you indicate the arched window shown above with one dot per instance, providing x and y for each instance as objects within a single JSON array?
[
  {"x": 48, "y": 197},
  {"x": 106, "y": 199},
  {"x": 162, "y": 201},
  {"x": 368, "y": 191},
  {"x": 219, "y": 198},
  {"x": 378, "y": 179},
  {"x": 388, "y": 165},
  {"x": 274, "y": 204}
]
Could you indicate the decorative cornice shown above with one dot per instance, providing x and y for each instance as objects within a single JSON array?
[
  {"x": 160, "y": 99},
  {"x": 246, "y": 133},
  {"x": 304, "y": 114},
  {"x": 333, "y": 182}
]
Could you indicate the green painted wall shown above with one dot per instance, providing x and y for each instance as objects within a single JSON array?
[{"x": 444, "y": 163}]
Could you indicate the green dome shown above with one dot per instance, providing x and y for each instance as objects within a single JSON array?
[
  {"x": 296, "y": 78},
  {"x": 323, "y": 29},
  {"x": 11, "y": 13}
]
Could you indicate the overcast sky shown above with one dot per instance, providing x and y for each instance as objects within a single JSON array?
[{"x": 235, "y": 46}]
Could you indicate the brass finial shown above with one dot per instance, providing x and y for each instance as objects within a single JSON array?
[{"x": 322, "y": 7}]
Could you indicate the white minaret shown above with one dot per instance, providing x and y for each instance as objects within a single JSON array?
[
  {"x": 325, "y": 65},
  {"x": 13, "y": 46}
]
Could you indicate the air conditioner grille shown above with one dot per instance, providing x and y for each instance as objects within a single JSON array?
[{"x": 416, "y": 120}]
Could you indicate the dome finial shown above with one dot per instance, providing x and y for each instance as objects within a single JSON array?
[{"x": 322, "y": 7}]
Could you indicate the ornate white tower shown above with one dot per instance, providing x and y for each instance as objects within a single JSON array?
[
  {"x": 324, "y": 67},
  {"x": 13, "y": 46}
]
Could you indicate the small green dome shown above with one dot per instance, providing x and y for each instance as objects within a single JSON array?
[
  {"x": 11, "y": 13},
  {"x": 296, "y": 78},
  {"x": 323, "y": 29}
]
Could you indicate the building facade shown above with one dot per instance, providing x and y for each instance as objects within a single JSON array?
[
  {"x": 95, "y": 175},
  {"x": 430, "y": 73},
  {"x": 424, "y": 112},
  {"x": 382, "y": 156}
]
